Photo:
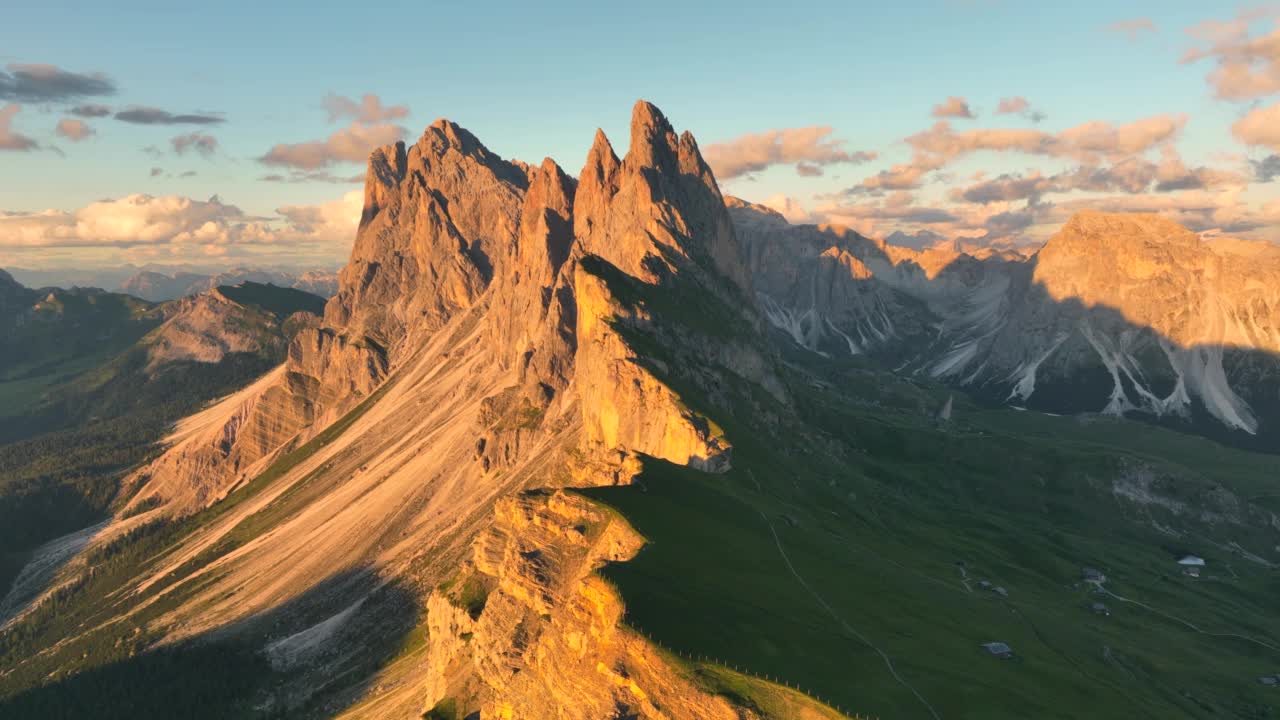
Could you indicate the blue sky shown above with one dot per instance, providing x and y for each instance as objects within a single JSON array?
[{"x": 532, "y": 81}]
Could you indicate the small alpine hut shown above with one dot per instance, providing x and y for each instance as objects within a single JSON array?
[
  {"x": 999, "y": 649},
  {"x": 1191, "y": 565}
]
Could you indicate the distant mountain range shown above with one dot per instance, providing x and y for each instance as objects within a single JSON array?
[
  {"x": 158, "y": 287},
  {"x": 1115, "y": 314},
  {"x": 158, "y": 283}
]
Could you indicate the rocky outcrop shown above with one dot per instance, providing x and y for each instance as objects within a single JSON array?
[
  {"x": 549, "y": 641},
  {"x": 208, "y": 327}
]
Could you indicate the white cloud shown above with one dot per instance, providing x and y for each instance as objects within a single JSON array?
[
  {"x": 1246, "y": 66},
  {"x": 143, "y": 226},
  {"x": 953, "y": 107},
  {"x": 351, "y": 144},
  {"x": 812, "y": 147},
  {"x": 1261, "y": 127},
  {"x": 369, "y": 109}
]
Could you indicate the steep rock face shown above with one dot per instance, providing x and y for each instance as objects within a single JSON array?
[
  {"x": 486, "y": 322},
  {"x": 435, "y": 217},
  {"x": 624, "y": 407},
  {"x": 643, "y": 213},
  {"x": 534, "y": 311},
  {"x": 1115, "y": 314}
]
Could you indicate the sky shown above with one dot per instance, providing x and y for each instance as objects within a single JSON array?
[{"x": 237, "y": 133}]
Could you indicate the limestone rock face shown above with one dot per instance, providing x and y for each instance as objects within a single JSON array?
[
  {"x": 623, "y": 405},
  {"x": 1116, "y": 314},
  {"x": 489, "y": 325},
  {"x": 549, "y": 642},
  {"x": 533, "y": 308},
  {"x": 657, "y": 208},
  {"x": 436, "y": 216}
]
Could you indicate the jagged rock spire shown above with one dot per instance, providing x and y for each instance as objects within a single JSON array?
[{"x": 659, "y": 207}]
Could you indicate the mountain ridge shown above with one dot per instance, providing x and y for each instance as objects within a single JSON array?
[
  {"x": 1134, "y": 301},
  {"x": 541, "y": 457}
]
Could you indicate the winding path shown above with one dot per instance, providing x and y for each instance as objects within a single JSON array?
[
  {"x": 849, "y": 628},
  {"x": 1191, "y": 625}
]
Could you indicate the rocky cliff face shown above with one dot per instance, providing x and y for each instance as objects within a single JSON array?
[
  {"x": 490, "y": 334},
  {"x": 1116, "y": 314}
]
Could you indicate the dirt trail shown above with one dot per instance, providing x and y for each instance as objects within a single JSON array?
[
  {"x": 843, "y": 623},
  {"x": 1193, "y": 626}
]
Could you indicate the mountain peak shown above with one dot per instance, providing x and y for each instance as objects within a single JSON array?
[
  {"x": 653, "y": 140},
  {"x": 1110, "y": 226}
]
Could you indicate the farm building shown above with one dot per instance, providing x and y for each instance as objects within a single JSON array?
[{"x": 999, "y": 649}]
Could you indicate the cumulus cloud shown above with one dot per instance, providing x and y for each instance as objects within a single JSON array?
[
  {"x": 11, "y": 139},
  {"x": 143, "y": 227},
  {"x": 1088, "y": 142},
  {"x": 331, "y": 223},
  {"x": 1013, "y": 105},
  {"x": 206, "y": 145},
  {"x": 1260, "y": 127},
  {"x": 369, "y": 109},
  {"x": 1199, "y": 210},
  {"x": 1133, "y": 28},
  {"x": 351, "y": 144},
  {"x": 73, "y": 130},
  {"x": 753, "y": 152},
  {"x": 1133, "y": 175},
  {"x": 1266, "y": 169},
  {"x": 953, "y": 107},
  {"x": 136, "y": 219},
  {"x": 140, "y": 115},
  {"x": 49, "y": 83},
  {"x": 1018, "y": 105},
  {"x": 1246, "y": 66},
  {"x": 90, "y": 111},
  {"x": 901, "y": 176}
]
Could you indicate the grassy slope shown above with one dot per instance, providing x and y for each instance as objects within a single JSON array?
[
  {"x": 883, "y": 554},
  {"x": 875, "y": 507}
]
